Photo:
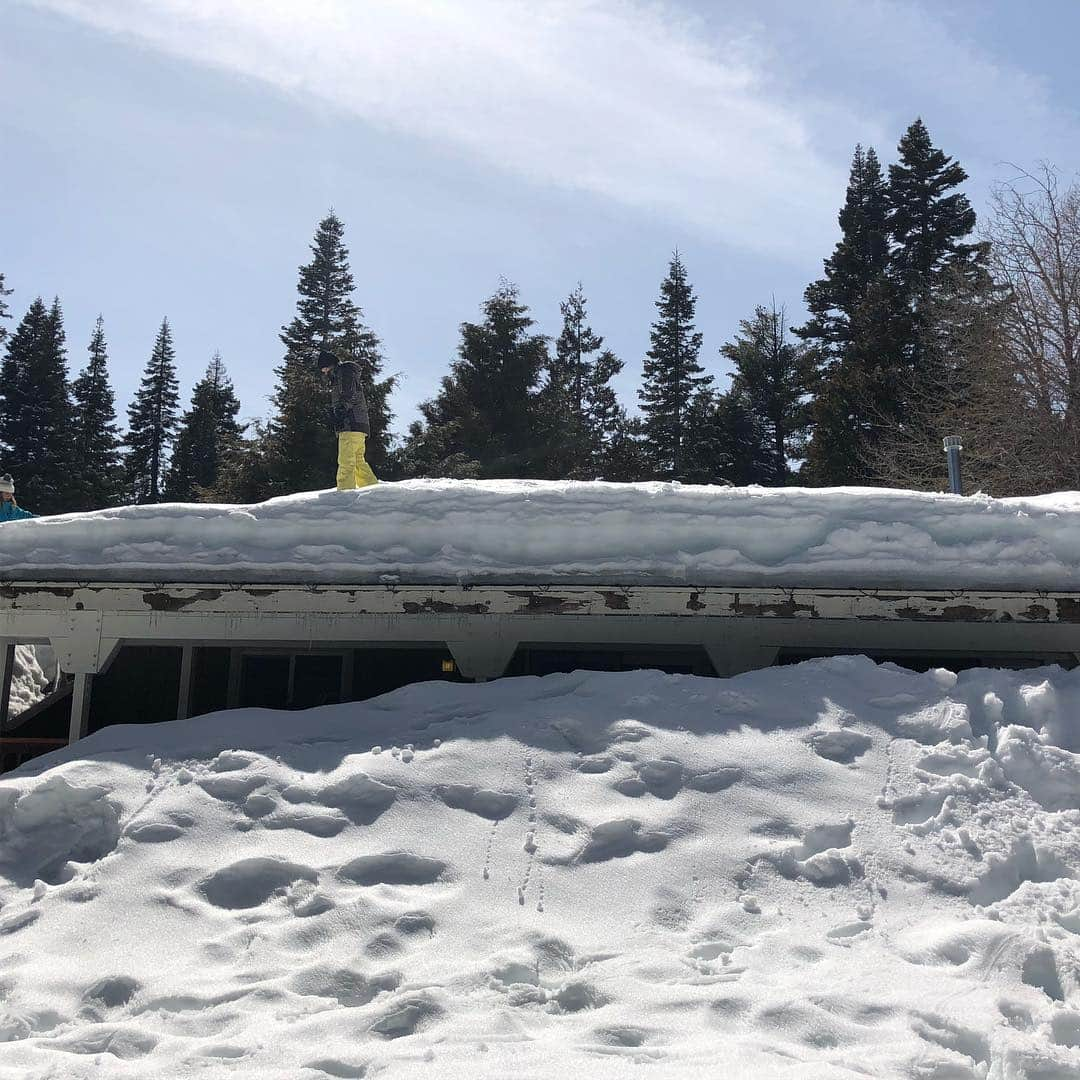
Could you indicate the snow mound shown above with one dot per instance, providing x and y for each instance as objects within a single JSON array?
[
  {"x": 450, "y": 531},
  {"x": 35, "y": 672},
  {"x": 824, "y": 871}
]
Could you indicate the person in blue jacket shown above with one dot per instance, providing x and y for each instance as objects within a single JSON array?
[{"x": 10, "y": 510}]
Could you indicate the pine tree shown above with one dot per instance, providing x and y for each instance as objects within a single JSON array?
[
  {"x": 672, "y": 375},
  {"x": 242, "y": 475},
  {"x": 861, "y": 256},
  {"x": 771, "y": 381},
  {"x": 301, "y": 441},
  {"x": 928, "y": 221},
  {"x": 727, "y": 442},
  {"x": 855, "y": 331},
  {"x": 972, "y": 389},
  {"x": 36, "y": 410},
  {"x": 99, "y": 472},
  {"x": 152, "y": 422},
  {"x": 626, "y": 458},
  {"x": 484, "y": 421},
  {"x": 579, "y": 412},
  {"x": 4, "y": 313},
  {"x": 15, "y": 386},
  {"x": 605, "y": 418},
  {"x": 207, "y": 432}
]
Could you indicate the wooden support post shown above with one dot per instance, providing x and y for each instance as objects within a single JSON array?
[
  {"x": 80, "y": 706},
  {"x": 290, "y": 693},
  {"x": 347, "y": 661},
  {"x": 183, "y": 700},
  {"x": 236, "y": 664},
  {"x": 481, "y": 659},
  {"x": 7, "y": 669}
]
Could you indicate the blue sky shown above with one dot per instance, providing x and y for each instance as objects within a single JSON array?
[{"x": 172, "y": 157}]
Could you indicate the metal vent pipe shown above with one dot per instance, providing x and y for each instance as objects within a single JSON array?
[{"x": 953, "y": 446}]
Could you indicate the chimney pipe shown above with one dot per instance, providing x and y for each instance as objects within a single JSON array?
[{"x": 953, "y": 446}]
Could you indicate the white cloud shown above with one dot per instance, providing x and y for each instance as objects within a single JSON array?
[
  {"x": 617, "y": 98},
  {"x": 902, "y": 58},
  {"x": 738, "y": 125}
]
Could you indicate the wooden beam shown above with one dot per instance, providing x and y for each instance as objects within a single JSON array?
[
  {"x": 347, "y": 661},
  {"x": 183, "y": 699},
  {"x": 236, "y": 665},
  {"x": 80, "y": 706}
]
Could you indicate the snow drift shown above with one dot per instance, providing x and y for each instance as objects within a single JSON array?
[
  {"x": 512, "y": 531},
  {"x": 35, "y": 671},
  {"x": 824, "y": 871}
]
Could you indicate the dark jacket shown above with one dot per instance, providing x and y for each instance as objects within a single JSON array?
[{"x": 347, "y": 396}]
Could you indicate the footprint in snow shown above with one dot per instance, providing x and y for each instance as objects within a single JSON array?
[
  {"x": 408, "y": 1015},
  {"x": 336, "y": 1068},
  {"x": 619, "y": 839},
  {"x": 820, "y": 858},
  {"x": 12, "y": 924},
  {"x": 710, "y": 960},
  {"x": 492, "y": 805},
  {"x": 846, "y": 933},
  {"x": 920, "y": 809},
  {"x": 233, "y": 761},
  {"x": 347, "y": 986},
  {"x": 596, "y": 763},
  {"x": 393, "y": 868},
  {"x": 953, "y": 761},
  {"x": 728, "y": 1009},
  {"x": 415, "y": 922},
  {"x": 224, "y": 1051},
  {"x": 1065, "y": 1028},
  {"x": 361, "y": 798},
  {"x": 1041, "y": 970},
  {"x": 113, "y": 992},
  {"x": 251, "y": 882},
  {"x": 126, "y": 1044},
  {"x": 1016, "y": 1014},
  {"x": 154, "y": 832},
  {"x": 949, "y": 1035},
  {"x": 313, "y": 823},
  {"x": 232, "y": 788},
  {"x": 842, "y": 745},
  {"x": 622, "y": 1036}
]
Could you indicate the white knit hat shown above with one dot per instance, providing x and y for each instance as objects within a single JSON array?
[{"x": 7, "y": 484}]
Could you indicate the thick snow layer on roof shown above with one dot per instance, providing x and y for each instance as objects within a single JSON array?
[
  {"x": 825, "y": 871},
  {"x": 518, "y": 530}
]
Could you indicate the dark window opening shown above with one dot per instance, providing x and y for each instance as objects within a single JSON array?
[
  {"x": 378, "y": 671},
  {"x": 916, "y": 661},
  {"x": 209, "y": 680},
  {"x": 545, "y": 660},
  {"x": 141, "y": 686},
  {"x": 264, "y": 681},
  {"x": 282, "y": 680},
  {"x": 316, "y": 681}
]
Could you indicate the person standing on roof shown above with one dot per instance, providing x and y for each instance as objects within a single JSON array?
[
  {"x": 10, "y": 510},
  {"x": 350, "y": 420}
]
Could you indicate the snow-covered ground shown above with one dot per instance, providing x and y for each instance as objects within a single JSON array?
[
  {"x": 831, "y": 870},
  {"x": 521, "y": 530}
]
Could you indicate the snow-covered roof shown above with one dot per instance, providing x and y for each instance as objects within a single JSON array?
[{"x": 531, "y": 531}]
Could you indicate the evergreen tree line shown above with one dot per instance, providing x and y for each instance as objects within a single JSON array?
[
  {"x": 61, "y": 437},
  {"x": 908, "y": 333}
]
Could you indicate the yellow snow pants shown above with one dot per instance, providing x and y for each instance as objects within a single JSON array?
[{"x": 353, "y": 471}]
